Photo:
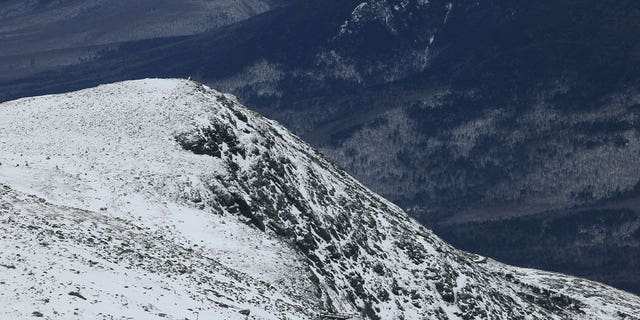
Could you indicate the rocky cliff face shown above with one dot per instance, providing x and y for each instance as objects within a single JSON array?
[{"x": 166, "y": 199}]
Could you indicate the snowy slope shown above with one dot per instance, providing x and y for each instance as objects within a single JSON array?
[{"x": 160, "y": 199}]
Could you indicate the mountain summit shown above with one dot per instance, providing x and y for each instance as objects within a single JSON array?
[{"x": 164, "y": 199}]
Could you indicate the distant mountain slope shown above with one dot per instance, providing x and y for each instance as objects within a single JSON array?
[
  {"x": 458, "y": 111},
  {"x": 35, "y": 26},
  {"x": 38, "y": 35},
  {"x": 600, "y": 242},
  {"x": 166, "y": 199}
]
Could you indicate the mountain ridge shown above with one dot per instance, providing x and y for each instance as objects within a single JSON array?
[{"x": 198, "y": 176}]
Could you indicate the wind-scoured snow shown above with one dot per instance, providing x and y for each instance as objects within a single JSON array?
[{"x": 164, "y": 199}]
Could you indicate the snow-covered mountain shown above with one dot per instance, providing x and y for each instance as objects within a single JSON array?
[{"x": 164, "y": 199}]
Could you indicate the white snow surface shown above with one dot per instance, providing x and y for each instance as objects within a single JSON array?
[{"x": 164, "y": 199}]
